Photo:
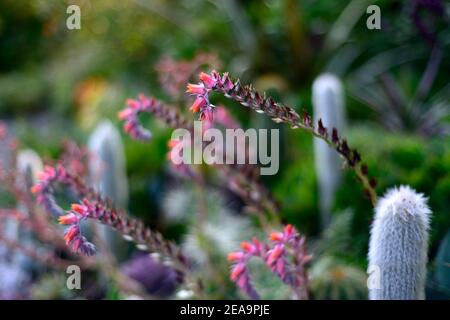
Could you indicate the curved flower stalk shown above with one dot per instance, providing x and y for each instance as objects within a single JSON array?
[
  {"x": 130, "y": 115},
  {"x": 95, "y": 207},
  {"x": 398, "y": 246},
  {"x": 48, "y": 179},
  {"x": 280, "y": 113},
  {"x": 287, "y": 258},
  {"x": 131, "y": 229},
  {"x": 246, "y": 185}
]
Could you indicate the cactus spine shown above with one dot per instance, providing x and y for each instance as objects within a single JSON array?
[
  {"x": 328, "y": 102},
  {"x": 398, "y": 246}
]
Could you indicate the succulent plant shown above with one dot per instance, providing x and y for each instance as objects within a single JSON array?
[{"x": 398, "y": 246}]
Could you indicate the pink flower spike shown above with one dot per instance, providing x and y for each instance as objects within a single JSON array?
[
  {"x": 208, "y": 80},
  {"x": 198, "y": 104}
]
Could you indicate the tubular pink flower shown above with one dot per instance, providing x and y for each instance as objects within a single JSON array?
[
  {"x": 195, "y": 89},
  {"x": 80, "y": 209},
  {"x": 237, "y": 270},
  {"x": 276, "y": 236},
  {"x": 234, "y": 256},
  {"x": 71, "y": 233},
  {"x": 69, "y": 218},
  {"x": 274, "y": 254},
  {"x": 124, "y": 114},
  {"x": 198, "y": 104},
  {"x": 248, "y": 247},
  {"x": 208, "y": 80}
]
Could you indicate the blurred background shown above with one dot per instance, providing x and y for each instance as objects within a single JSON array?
[{"x": 58, "y": 84}]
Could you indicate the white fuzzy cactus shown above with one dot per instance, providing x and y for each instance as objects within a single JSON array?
[
  {"x": 107, "y": 170},
  {"x": 398, "y": 246},
  {"x": 328, "y": 102}
]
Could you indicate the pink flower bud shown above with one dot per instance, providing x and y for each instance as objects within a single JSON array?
[
  {"x": 208, "y": 80},
  {"x": 198, "y": 104},
  {"x": 68, "y": 219}
]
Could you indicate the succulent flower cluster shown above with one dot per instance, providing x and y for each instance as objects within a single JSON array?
[
  {"x": 286, "y": 258},
  {"x": 72, "y": 235},
  {"x": 202, "y": 90},
  {"x": 279, "y": 113}
]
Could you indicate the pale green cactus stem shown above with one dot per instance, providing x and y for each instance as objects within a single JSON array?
[
  {"x": 328, "y": 103},
  {"x": 107, "y": 171},
  {"x": 398, "y": 246}
]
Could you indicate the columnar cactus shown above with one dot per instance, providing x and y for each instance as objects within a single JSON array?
[
  {"x": 107, "y": 169},
  {"x": 398, "y": 246},
  {"x": 328, "y": 105}
]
